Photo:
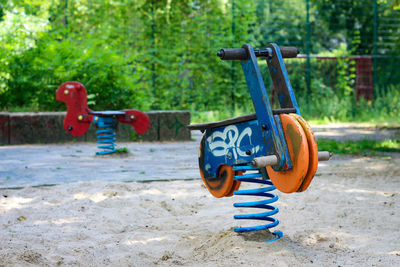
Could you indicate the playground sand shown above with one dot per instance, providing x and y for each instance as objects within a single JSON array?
[{"x": 350, "y": 216}]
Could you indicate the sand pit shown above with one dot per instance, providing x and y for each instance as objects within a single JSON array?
[{"x": 350, "y": 216}]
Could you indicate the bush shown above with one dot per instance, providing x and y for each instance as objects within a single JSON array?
[{"x": 35, "y": 74}]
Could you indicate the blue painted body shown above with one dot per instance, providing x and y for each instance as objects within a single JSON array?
[{"x": 227, "y": 145}]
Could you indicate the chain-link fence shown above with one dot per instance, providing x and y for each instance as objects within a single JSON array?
[{"x": 365, "y": 34}]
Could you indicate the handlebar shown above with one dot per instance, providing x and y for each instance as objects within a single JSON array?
[{"x": 241, "y": 53}]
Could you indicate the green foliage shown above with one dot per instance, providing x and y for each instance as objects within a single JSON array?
[
  {"x": 149, "y": 54},
  {"x": 349, "y": 19},
  {"x": 359, "y": 147},
  {"x": 273, "y": 18},
  {"x": 35, "y": 74},
  {"x": 141, "y": 54},
  {"x": 396, "y": 5}
]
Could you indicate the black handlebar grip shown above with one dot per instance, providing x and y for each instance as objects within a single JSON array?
[
  {"x": 241, "y": 53},
  {"x": 288, "y": 51},
  {"x": 233, "y": 54}
]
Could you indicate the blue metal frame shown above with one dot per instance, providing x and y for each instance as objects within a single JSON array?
[
  {"x": 240, "y": 143},
  {"x": 280, "y": 79},
  {"x": 255, "y": 83}
]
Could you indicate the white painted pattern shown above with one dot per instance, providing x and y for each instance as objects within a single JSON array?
[{"x": 220, "y": 141}]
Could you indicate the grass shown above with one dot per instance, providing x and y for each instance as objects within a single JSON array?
[
  {"x": 363, "y": 147},
  {"x": 122, "y": 150},
  {"x": 378, "y": 124},
  {"x": 27, "y": 108},
  {"x": 212, "y": 116},
  {"x": 209, "y": 116},
  {"x": 325, "y": 107}
]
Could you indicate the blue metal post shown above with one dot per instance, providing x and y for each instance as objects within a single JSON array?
[{"x": 273, "y": 144}]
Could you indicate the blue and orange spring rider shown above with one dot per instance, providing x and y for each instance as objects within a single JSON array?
[{"x": 275, "y": 148}]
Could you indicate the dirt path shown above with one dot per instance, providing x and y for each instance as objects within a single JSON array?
[
  {"x": 354, "y": 132},
  {"x": 34, "y": 165}
]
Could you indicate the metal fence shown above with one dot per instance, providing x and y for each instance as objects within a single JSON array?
[{"x": 369, "y": 29}]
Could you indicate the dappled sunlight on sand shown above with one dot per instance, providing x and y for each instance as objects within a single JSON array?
[
  {"x": 96, "y": 197},
  {"x": 60, "y": 221},
  {"x": 145, "y": 241},
  {"x": 364, "y": 191},
  {"x": 397, "y": 253},
  {"x": 14, "y": 203}
]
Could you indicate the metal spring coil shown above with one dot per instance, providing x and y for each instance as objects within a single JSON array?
[
  {"x": 106, "y": 137},
  {"x": 262, "y": 204}
]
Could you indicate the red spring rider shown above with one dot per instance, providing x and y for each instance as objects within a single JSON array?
[{"x": 79, "y": 117}]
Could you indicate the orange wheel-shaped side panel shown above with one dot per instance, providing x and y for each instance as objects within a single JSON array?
[
  {"x": 218, "y": 186},
  {"x": 313, "y": 151},
  {"x": 289, "y": 181},
  {"x": 235, "y": 186}
]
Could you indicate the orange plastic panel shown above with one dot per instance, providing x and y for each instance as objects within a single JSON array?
[
  {"x": 218, "y": 186},
  {"x": 289, "y": 181},
  {"x": 235, "y": 186},
  {"x": 313, "y": 151},
  {"x": 221, "y": 185}
]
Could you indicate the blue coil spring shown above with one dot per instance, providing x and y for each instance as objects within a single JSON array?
[
  {"x": 106, "y": 136},
  {"x": 262, "y": 204}
]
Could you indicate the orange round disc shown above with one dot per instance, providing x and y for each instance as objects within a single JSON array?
[
  {"x": 289, "y": 181},
  {"x": 222, "y": 184},
  {"x": 235, "y": 186},
  {"x": 312, "y": 149}
]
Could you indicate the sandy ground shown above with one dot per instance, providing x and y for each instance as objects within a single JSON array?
[{"x": 349, "y": 216}]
